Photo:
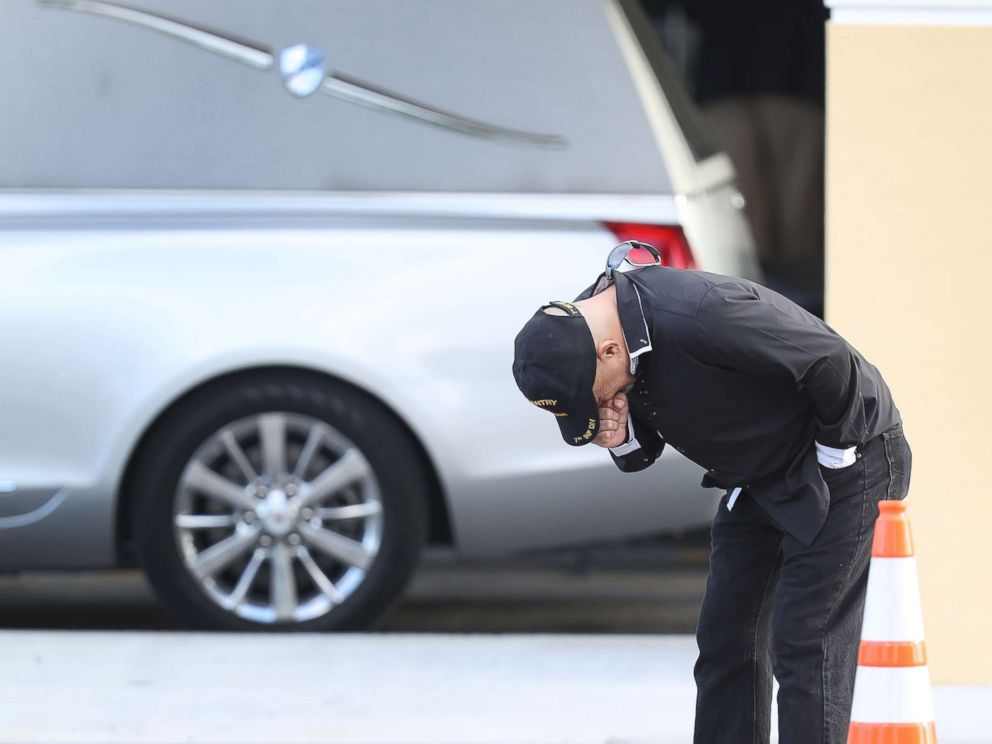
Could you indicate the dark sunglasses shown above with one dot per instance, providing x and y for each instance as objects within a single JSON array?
[{"x": 635, "y": 253}]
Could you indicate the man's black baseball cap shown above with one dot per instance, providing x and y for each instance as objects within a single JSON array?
[{"x": 554, "y": 364}]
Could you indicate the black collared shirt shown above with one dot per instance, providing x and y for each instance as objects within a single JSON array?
[{"x": 743, "y": 381}]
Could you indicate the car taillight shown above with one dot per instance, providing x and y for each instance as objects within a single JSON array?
[{"x": 668, "y": 239}]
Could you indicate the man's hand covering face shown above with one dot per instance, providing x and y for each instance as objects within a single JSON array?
[{"x": 612, "y": 422}]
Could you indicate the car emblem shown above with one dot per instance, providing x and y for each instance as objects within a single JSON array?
[{"x": 303, "y": 71}]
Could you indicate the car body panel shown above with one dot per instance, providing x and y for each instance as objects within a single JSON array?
[
  {"x": 190, "y": 219},
  {"x": 716, "y": 228},
  {"x": 111, "y": 321},
  {"x": 154, "y": 112}
]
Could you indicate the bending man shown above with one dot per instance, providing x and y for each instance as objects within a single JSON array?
[{"x": 785, "y": 416}]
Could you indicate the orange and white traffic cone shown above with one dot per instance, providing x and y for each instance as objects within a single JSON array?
[{"x": 892, "y": 699}]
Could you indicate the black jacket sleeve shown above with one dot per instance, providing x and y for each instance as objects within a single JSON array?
[
  {"x": 750, "y": 328},
  {"x": 650, "y": 449}
]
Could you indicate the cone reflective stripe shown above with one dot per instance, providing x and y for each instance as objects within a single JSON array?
[{"x": 892, "y": 699}]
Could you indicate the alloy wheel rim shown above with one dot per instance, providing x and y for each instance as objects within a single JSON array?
[{"x": 278, "y": 517}]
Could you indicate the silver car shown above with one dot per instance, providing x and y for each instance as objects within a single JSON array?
[{"x": 262, "y": 268}]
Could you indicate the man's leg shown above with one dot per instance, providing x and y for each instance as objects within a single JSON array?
[
  {"x": 733, "y": 672},
  {"x": 819, "y": 603}
]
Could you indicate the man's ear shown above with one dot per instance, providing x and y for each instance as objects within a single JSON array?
[{"x": 607, "y": 350}]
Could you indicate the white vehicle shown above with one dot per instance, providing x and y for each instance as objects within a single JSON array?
[{"x": 258, "y": 306}]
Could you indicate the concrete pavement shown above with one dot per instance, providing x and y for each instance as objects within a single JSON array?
[{"x": 165, "y": 688}]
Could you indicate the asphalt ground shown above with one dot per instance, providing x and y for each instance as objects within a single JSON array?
[{"x": 650, "y": 586}]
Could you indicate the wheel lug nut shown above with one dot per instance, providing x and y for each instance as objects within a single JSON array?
[
  {"x": 294, "y": 539},
  {"x": 261, "y": 491},
  {"x": 306, "y": 513},
  {"x": 249, "y": 517},
  {"x": 290, "y": 489},
  {"x": 265, "y": 541}
]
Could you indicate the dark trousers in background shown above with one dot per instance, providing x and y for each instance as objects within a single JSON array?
[
  {"x": 774, "y": 605},
  {"x": 776, "y": 145}
]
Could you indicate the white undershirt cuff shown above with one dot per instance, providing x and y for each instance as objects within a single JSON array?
[
  {"x": 835, "y": 458},
  {"x": 630, "y": 445}
]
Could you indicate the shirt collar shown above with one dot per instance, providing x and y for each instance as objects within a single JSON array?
[
  {"x": 632, "y": 319},
  {"x": 636, "y": 333}
]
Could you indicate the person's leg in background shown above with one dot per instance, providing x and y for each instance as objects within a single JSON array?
[
  {"x": 792, "y": 131},
  {"x": 733, "y": 672},
  {"x": 819, "y": 603},
  {"x": 736, "y": 126}
]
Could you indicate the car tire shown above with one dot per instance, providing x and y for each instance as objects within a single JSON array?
[{"x": 364, "y": 538}]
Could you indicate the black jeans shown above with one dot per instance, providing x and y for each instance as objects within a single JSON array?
[{"x": 774, "y": 605}]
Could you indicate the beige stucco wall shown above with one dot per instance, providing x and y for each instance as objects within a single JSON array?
[{"x": 909, "y": 282}]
